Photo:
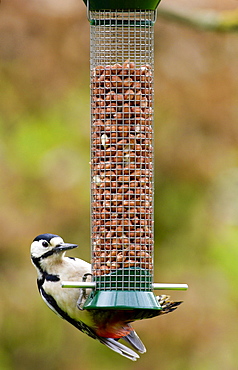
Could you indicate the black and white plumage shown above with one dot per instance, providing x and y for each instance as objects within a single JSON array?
[{"x": 53, "y": 267}]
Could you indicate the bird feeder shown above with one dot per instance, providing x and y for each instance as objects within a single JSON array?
[{"x": 122, "y": 155}]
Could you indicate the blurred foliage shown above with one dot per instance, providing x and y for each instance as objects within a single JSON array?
[
  {"x": 44, "y": 182},
  {"x": 226, "y": 21}
]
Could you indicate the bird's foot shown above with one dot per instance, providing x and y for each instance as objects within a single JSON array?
[{"x": 82, "y": 292}]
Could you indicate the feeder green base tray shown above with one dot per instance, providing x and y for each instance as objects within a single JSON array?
[
  {"x": 123, "y": 289},
  {"x": 122, "y": 4},
  {"x": 122, "y": 300}
]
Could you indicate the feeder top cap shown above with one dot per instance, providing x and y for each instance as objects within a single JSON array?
[{"x": 122, "y": 4}]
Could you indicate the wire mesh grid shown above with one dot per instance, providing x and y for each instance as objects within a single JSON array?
[{"x": 122, "y": 183}]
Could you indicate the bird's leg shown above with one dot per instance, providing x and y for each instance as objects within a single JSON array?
[{"x": 82, "y": 292}]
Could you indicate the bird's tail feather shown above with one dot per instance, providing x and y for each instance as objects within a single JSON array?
[
  {"x": 120, "y": 348},
  {"x": 166, "y": 304},
  {"x": 109, "y": 342},
  {"x": 135, "y": 341}
]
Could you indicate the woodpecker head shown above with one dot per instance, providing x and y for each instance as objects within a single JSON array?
[{"x": 47, "y": 249}]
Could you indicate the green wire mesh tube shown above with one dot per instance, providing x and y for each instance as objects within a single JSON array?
[{"x": 122, "y": 184}]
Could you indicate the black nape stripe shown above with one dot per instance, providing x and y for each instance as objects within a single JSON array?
[
  {"x": 45, "y": 275},
  {"x": 51, "y": 277},
  {"x": 48, "y": 254},
  {"x": 36, "y": 262}
]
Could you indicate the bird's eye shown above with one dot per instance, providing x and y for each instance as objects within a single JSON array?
[{"x": 45, "y": 244}]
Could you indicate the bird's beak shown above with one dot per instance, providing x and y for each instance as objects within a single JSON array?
[{"x": 64, "y": 247}]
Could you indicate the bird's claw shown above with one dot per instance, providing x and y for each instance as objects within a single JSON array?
[{"x": 82, "y": 292}]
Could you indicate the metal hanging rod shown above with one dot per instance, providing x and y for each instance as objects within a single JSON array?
[{"x": 155, "y": 286}]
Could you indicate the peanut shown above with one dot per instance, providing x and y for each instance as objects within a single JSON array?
[{"x": 121, "y": 167}]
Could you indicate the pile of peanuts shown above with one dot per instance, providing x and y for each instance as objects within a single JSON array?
[{"x": 122, "y": 167}]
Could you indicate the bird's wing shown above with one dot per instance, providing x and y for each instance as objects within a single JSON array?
[{"x": 109, "y": 342}]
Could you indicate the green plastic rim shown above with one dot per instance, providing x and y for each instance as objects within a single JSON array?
[
  {"x": 122, "y": 300},
  {"x": 123, "y": 289},
  {"x": 122, "y": 4}
]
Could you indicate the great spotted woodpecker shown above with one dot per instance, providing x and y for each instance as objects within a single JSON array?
[{"x": 53, "y": 267}]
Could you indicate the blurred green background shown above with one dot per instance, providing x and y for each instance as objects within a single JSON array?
[{"x": 44, "y": 186}]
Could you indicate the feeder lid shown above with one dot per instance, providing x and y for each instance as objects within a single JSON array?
[{"x": 122, "y": 4}]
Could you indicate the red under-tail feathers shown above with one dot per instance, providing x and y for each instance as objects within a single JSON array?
[{"x": 116, "y": 323}]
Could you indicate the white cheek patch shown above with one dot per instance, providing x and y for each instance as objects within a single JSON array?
[{"x": 37, "y": 249}]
